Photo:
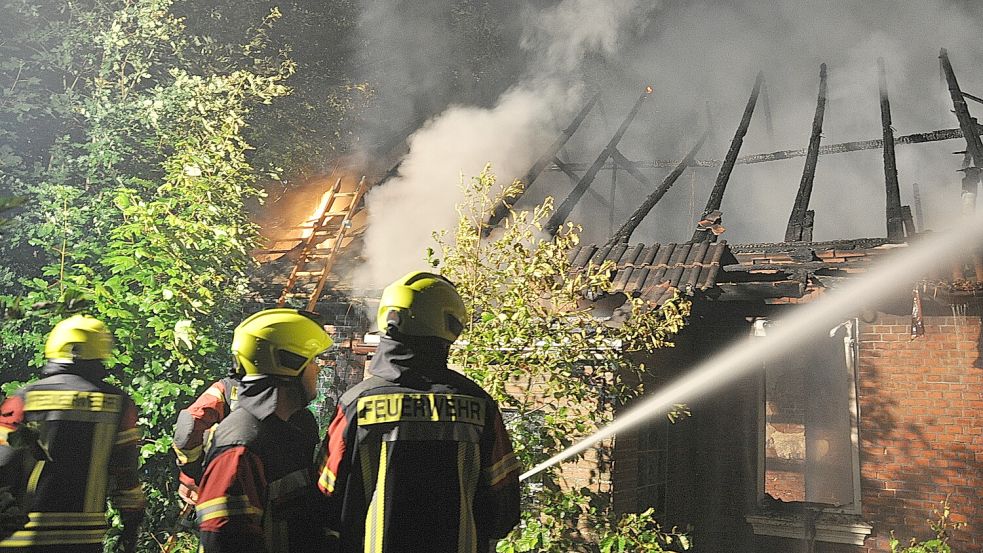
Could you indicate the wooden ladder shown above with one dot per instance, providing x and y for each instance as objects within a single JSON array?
[{"x": 332, "y": 223}]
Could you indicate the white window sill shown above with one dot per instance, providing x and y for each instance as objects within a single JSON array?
[{"x": 831, "y": 528}]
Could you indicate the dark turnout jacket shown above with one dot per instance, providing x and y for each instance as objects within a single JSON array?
[
  {"x": 417, "y": 459},
  {"x": 67, "y": 442},
  {"x": 211, "y": 407},
  {"x": 257, "y": 493}
]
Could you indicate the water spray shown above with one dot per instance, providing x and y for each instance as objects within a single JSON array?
[{"x": 894, "y": 275}]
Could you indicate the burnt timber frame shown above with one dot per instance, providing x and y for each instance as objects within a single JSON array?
[
  {"x": 800, "y": 221},
  {"x": 502, "y": 209},
  {"x": 624, "y": 233},
  {"x": 717, "y": 194},
  {"x": 565, "y": 208},
  {"x": 968, "y": 125},
  {"x": 839, "y": 148},
  {"x": 894, "y": 214}
]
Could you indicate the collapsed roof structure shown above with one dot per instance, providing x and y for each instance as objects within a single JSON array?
[{"x": 824, "y": 447}]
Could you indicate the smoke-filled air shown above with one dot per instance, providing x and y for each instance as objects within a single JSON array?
[{"x": 701, "y": 58}]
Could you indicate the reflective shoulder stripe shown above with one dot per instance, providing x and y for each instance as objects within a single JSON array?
[
  {"x": 68, "y": 400},
  {"x": 389, "y": 408},
  {"x": 283, "y": 487},
  {"x": 128, "y": 436},
  {"x": 215, "y": 392},
  {"x": 498, "y": 471},
  {"x": 226, "y": 506},
  {"x": 28, "y": 538}
]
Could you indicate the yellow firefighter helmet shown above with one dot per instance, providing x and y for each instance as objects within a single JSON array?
[
  {"x": 78, "y": 338},
  {"x": 278, "y": 342},
  {"x": 422, "y": 304}
]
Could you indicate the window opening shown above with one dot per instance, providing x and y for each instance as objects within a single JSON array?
[{"x": 809, "y": 453}]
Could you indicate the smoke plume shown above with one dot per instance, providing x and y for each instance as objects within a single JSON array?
[{"x": 698, "y": 54}]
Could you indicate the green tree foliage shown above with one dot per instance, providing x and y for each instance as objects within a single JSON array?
[
  {"x": 942, "y": 527},
  {"x": 127, "y": 133},
  {"x": 304, "y": 133},
  {"x": 558, "y": 372}
]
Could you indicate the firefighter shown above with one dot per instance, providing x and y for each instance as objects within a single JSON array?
[
  {"x": 209, "y": 409},
  {"x": 72, "y": 440},
  {"x": 417, "y": 457},
  {"x": 257, "y": 492}
]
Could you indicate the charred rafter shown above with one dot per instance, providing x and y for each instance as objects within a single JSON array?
[
  {"x": 895, "y": 219},
  {"x": 624, "y": 233},
  {"x": 974, "y": 147},
  {"x": 800, "y": 221},
  {"x": 549, "y": 157},
  {"x": 563, "y": 211},
  {"x": 717, "y": 194}
]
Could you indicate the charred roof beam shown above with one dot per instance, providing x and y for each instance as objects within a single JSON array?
[
  {"x": 624, "y": 233},
  {"x": 974, "y": 147},
  {"x": 800, "y": 223},
  {"x": 575, "y": 178},
  {"x": 565, "y": 208},
  {"x": 717, "y": 194},
  {"x": 502, "y": 209},
  {"x": 894, "y": 211}
]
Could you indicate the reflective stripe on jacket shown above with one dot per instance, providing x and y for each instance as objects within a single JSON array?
[
  {"x": 418, "y": 461},
  {"x": 80, "y": 444}
]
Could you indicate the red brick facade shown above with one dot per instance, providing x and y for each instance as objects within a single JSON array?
[
  {"x": 920, "y": 431},
  {"x": 921, "y": 427}
]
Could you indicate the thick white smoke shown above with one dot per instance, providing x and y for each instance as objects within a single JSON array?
[
  {"x": 562, "y": 34},
  {"x": 697, "y": 52},
  {"x": 405, "y": 211}
]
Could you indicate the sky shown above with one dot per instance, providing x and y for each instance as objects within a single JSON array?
[{"x": 701, "y": 57}]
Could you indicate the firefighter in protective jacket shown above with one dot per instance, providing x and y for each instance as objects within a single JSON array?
[
  {"x": 209, "y": 409},
  {"x": 417, "y": 457},
  {"x": 257, "y": 493},
  {"x": 69, "y": 441}
]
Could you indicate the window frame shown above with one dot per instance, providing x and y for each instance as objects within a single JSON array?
[{"x": 835, "y": 524}]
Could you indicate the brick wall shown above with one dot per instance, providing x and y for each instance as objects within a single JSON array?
[
  {"x": 921, "y": 438},
  {"x": 921, "y": 427}
]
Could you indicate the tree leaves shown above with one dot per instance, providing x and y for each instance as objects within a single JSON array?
[
  {"x": 532, "y": 342},
  {"x": 137, "y": 167}
]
